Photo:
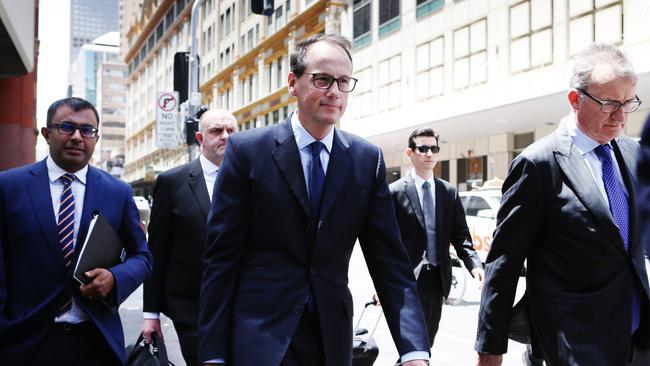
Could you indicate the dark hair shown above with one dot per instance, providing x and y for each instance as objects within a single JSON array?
[
  {"x": 297, "y": 62},
  {"x": 74, "y": 103},
  {"x": 425, "y": 131}
]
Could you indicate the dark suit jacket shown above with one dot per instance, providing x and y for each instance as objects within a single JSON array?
[
  {"x": 176, "y": 236},
  {"x": 451, "y": 226},
  {"x": 643, "y": 191},
  {"x": 261, "y": 260},
  {"x": 579, "y": 276},
  {"x": 34, "y": 282}
]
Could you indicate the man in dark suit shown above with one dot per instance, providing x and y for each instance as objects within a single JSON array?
[
  {"x": 643, "y": 191},
  {"x": 181, "y": 202},
  {"x": 45, "y": 210},
  {"x": 430, "y": 217},
  {"x": 282, "y": 229},
  {"x": 568, "y": 207}
]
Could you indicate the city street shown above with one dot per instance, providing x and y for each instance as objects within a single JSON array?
[{"x": 454, "y": 342}]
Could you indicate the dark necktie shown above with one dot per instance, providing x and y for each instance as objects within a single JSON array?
[
  {"x": 619, "y": 207},
  {"x": 429, "y": 211},
  {"x": 316, "y": 180},
  {"x": 65, "y": 228}
]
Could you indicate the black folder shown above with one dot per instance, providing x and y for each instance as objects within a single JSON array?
[{"x": 101, "y": 249}]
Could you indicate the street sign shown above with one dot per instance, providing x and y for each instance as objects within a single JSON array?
[{"x": 167, "y": 125}]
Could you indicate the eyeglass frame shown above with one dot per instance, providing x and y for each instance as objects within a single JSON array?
[
  {"x": 338, "y": 84},
  {"x": 603, "y": 103},
  {"x": 433, "y": 148},
  {"x": 75, "y": 127}
]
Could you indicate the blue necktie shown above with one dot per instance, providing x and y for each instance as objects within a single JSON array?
[
  {"x": 316, "y": 180},
  {"x": 619, "y": 207},
  {"x": 429, "y": 211},
  {"x": 65, "y": 228}
]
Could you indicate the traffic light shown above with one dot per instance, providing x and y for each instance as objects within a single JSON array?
[{"x": 262, "y": 7}]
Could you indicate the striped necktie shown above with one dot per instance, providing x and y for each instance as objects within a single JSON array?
[
  {"x": 619, "y": 207},
  {"x": 65, "y": 227}
]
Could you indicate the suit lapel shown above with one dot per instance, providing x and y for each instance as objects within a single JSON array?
[
  {"x": 575, "y": 169},
  {"x": 39, "y": 192},
  {"x": 441, "y": 203},
  {"x": 198, "y": 187},
  {"x": 287, "y": 158},
  {"x": 339, "y": 167},
  {"x": 92, "y": 204},
  {"x": 412, "y": 194}
]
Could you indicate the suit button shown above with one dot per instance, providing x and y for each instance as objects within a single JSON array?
[{"x": 296, "y": 309}]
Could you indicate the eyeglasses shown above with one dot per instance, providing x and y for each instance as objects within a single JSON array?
[
  {"x": 67, "y": 128},
  {"x": 611, "y": 106},
  {"x": 323, "y": 81},
  {"x": 424, "y": 148}
]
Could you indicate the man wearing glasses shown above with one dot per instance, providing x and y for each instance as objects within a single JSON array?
[
  {"x": 181, "y": 203},
  {"x": 568, "y": 207},
  {"x": 293, "y": 199},
  {"x": 430, "y": 217},
  {"x": 46, "y": 317}
]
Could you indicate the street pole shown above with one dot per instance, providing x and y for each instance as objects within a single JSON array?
[{"x": 193, "y": 94}]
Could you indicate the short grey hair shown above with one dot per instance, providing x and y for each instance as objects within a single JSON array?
[
  {"x": 598, "y": 54},
  {"x": 297, "y": 58}
]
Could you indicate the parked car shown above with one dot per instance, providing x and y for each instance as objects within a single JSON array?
[
  {"x": 481, "y": 206},
  {"x": 144, "y": 209}
]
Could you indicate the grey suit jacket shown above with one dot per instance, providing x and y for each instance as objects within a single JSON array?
[{"x": 579, "y": 276}]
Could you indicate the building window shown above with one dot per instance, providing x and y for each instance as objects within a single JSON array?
[
  {"x": 426, "y": 7},
  {"x": 594, "y": 21},
  {"x": 228, "y": 21},
  {"x": 389, "y": 83},
  {"x": 279, "y": 18},
  {"x": 430, "y": 69},
  {"x": 251, "y": 42},
  {"x": 280, "y": 75},
  {"x": 531, "y": 35},
  {"x": 269, "y": 25},
  {"x": 361, "y": 21},
  {"x": 470, "y": 54},
  {"x": 389, "y": 19},
  {"x": 363, "y": 94}
]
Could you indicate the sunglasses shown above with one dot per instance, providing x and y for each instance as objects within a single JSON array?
[{"x": 424, "y": 148}]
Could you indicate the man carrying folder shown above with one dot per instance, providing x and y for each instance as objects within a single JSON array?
[{"x": 46, "y": 317}]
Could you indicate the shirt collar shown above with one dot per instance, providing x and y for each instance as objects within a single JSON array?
[
  {"x": 207, "y": 166},
  {"x": 584, "y": 143},
  {"x": 303, "y": 138},
  {"x": 55, "y": 172},
  {"x": 419, "y": 181}
]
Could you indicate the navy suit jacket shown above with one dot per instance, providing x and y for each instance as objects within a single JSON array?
[
  {"x": 176, "y": 236},
  {"x": 34, "y": 282},
  {"x": 451, "y": 226},
  {"x": 261, "y": 259},
  {"x": 579, "y": 277},
  {"x": 643, "y": 191}
]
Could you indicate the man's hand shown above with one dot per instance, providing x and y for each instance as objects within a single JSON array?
[
  {"x": 150, "y": 326},
  {"x": 102, "y": 283},
  {"x": 375, "y": 298},
  {"x": 479, "y": 274},
  {"x": 416, "y": 363},
  {"x": 489, "y": 360}
]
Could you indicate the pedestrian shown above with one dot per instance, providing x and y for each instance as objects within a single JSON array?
[
  {"x": 46, "y": 317},
  {"x": 430, "y": 217},
  {"x": 567, "y": 208},
  {"x": 293, "y": 199},
  {"x": 177, "y": 232}
]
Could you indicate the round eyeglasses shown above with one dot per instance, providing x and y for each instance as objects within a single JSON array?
[{"x": 323, "y": 81}]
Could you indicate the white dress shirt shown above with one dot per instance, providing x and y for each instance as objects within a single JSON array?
[
  {"x": 586, "y": 146},
  {"x": 54, "y": 172},
  {"x": 210, "y": 170}
]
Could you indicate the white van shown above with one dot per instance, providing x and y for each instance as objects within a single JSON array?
[{"x": 481, "y": 208}]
